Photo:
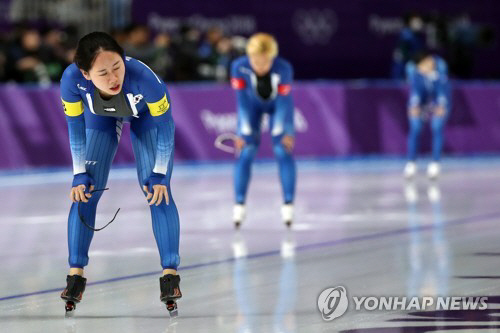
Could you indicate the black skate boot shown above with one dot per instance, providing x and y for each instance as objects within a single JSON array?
[
  {"x": 170, "y": 292},
  {"x": 73, "y": 293}
]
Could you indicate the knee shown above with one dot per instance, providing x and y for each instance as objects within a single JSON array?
[
  {"x": 94, "y": 199},
  {"x": 279, "y": 150},
  {"x": 248, "y": 153}
]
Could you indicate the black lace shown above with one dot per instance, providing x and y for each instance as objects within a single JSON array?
[{"x": 82, "y": 218}]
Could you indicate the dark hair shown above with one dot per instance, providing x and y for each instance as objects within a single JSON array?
[
  {"x": 90, "y": 45},
  {"x": 420, "y": 56}
]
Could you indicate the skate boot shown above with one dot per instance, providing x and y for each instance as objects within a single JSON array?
[
  {"x": 410, "y": 170},
  {"x": 170, "y": 292},
  {"x": 433, "y": 170},
  {"x": 287, "y": 214},
  {"x": 238, "y": 215},
  {"x": 73, "y": 293}
]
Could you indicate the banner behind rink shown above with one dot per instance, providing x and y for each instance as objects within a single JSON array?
[{"x": 331, "y": 120}]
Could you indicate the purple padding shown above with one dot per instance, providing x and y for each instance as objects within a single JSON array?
[{"x": 332, "y": 119}]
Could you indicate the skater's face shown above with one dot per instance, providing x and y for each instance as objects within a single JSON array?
[
  {"x": 426, "y": 66},
  {"x": 261, "y": 63},
  {"x": 107, "y": 73}
]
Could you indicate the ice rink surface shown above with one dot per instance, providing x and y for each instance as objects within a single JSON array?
[{"x": 358, "y": 225}]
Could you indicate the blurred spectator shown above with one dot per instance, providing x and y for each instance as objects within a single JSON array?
[
  {"x": 156, "y": 55},
  {"x": 164, "y": 62},
  {"x": 137, "y": 44},
  {"x": 120, "y": 35},
  {"x": 185, "y": 53},
  {"x": 225, "y": 54},
  {"x": 28, "y": 58},
  {"x": 464, "y": 39},
  {"x": 3, "y": 58},
  {"x": 455, "y": 38},
  {"x": 216, "y": 53},
  {"x": 208, "y": 55},
  {"x": 53, "y": 41},
  {"x": 411, "y": 41},
  {"x": 29, "y": 55},
  {"x": 207, "y": 49}
]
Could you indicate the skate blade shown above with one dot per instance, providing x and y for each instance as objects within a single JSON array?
[
  {"x": 237, "y": 225},
  {"x": 173, "y": 313},
  {"x": 70, "y": 309},
  {"x": 172, "y": 309},
  {"x": 288, "y": 224}
]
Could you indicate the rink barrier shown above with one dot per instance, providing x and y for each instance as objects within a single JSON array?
[{"x": 332, "y": 120}]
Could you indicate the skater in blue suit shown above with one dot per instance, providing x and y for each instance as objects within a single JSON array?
[
  {"x": 262, "y": 81},
  {"x": 100, "y": 91},
  {"x": 429, "y": 98}
]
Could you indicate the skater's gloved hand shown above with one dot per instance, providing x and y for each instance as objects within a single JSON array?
[
  {"x": 82, "y": 185},
  {"x": 155, "y": 188}
]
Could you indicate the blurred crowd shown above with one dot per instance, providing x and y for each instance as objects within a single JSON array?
[
  {"x": 40, "y": 55},
  {"x": 454, "y": 38}
]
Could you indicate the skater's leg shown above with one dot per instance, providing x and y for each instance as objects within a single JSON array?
[
  {"x": 101, "y": 149},
  {"x": 437, "y": 126},
  {"x": 414, "y": 136},
  {"x": 249, "y": 128},
  {"x": 287, "y": 170},
  {"x": 242, "y": 172},
  {"x": 165, "y": 216}
]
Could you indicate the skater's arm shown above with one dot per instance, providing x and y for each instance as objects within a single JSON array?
[
  {"x": 156, "y": 185},
  {"x": 73, "y": 109},
  {"x": 284, "y": 103},
  {"x": 243, "y": 102},
  {"x": 443, "y": 87},
  {"x": 283, "y": 116},
  {"x": 414, "y": 100},
  {"x": 157, "y": 99},
  {"x": 166, "y": 129}
]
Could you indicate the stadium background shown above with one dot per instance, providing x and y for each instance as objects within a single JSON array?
[{"x": 349, "y": 100}]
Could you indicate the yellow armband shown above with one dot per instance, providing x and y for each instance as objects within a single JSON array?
[
  {"x": 158, "y": 108},
  {"x": 72, "y": 109}
]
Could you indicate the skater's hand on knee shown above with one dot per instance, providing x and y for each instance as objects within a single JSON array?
[
  {"x": 289, "y": 142},
  {"x": 239, "y": 143},
  {"x": 414, "y": 111},
  {"x": 439, "y": 111},
  {"x": 78, "y": 194},
  {"x": 160, "y": 192},
  {"x": 155, "y": 188},
  {"x": 81, "y": 182}
]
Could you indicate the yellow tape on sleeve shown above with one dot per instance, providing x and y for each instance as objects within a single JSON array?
[
  {"x": 158, "y": 108},
  {"x": 72, "y": 109}
]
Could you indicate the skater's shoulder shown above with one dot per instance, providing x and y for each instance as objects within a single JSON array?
[
  {"x": 241, "y": 67},
  {"x": 282, "y": 64},
  {"x": 441, "y": 65},
  {"x": 242, "y": 61},
  {"x": 136, "y": 70},
  {"x": 72, "y": 73}
]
